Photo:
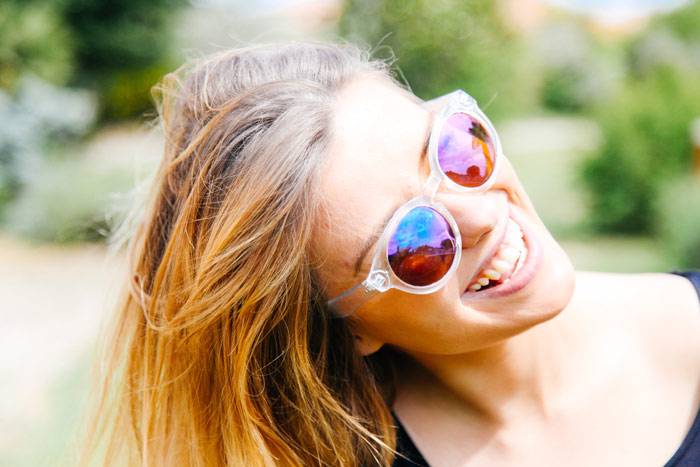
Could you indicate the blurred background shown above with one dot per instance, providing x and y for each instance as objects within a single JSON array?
[{"x": 597, "y": 104}]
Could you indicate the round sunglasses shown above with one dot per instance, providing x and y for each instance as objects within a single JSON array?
[{"x": 420, "y": 247}]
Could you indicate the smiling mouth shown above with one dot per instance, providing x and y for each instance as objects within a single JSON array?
[{"x": 507, "y": 261}]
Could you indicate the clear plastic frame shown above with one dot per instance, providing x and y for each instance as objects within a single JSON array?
[{"x": 381, "y": 277}]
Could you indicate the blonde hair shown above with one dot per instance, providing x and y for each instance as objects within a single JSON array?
[{"x": 222, "y": 352}]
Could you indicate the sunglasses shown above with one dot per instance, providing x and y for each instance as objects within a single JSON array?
[{"x": 421, "y": 246}]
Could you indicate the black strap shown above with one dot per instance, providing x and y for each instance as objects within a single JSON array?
[
  {"x": 692, "y": 276},
  {"x": 688, "y": 454}
]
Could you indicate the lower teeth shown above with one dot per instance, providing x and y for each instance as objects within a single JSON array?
[
  {"x": 490, "y": 284},
  {"x": 495, "y": 282}
]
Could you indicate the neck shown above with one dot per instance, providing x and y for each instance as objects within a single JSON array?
[{"x": 528, "y": 375}]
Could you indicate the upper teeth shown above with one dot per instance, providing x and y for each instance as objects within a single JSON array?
[{"x": 511, "y": 253}]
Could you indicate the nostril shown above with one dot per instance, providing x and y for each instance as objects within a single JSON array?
[
  {"x": 477, "y": 239},
  {"x": 476, "y": 215}
]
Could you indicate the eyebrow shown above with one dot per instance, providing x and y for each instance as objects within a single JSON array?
[{"x": 377, "y": 232}]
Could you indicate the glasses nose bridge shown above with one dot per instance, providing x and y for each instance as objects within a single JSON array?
[{"x": 432, "y": 185}]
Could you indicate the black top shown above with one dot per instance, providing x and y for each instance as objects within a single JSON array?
[{"x": 687, "y": 455}]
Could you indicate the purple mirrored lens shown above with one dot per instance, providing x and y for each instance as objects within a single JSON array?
[
  {"x": 465, "y": 150},
  {"x": 422, "y": 247}
]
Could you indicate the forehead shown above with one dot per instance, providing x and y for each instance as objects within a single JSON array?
[{"x": 379, "y": 133}]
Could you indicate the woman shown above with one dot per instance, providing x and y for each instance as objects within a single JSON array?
[{"x": 326, "y": 258}]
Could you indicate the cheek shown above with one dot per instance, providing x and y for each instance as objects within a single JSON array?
[
  {"x": 405, "y": 320},
  {"x": 329, "y": 263},
  {"x": 510, "y": 183}
]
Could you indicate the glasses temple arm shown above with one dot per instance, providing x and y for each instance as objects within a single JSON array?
[{"x": 347, "y": 303}]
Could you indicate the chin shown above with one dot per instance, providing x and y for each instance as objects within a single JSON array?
[
  {"x": 540, "y": 287},
  {"x": 553, "y": 282},
  {"x": 559, "y": 280}
]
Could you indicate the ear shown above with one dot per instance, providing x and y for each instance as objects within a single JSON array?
[{"x": 367, "y": 345}]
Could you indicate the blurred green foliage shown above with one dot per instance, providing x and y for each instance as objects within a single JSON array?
[
  {"x": 122, "y": 48},
  {"x": 91, "y": 44},
  {"x": 685, "y": 23},
  {"x": 575, "y": 65},
  {"x": 443, "y": 45},
  {"x": 64, "y": 201},
  {"x": 647, "y": 144},
  {"x": 127, "y": 93},
  {"x": 34, "y": 38},
  {"x": 37, "y": 118},
  {"x": 65, "y": 65},
  {"x": 561, "y": 89},
  {"x": 679, "y": 206},
  {"x": 646, "y": 127},
  {"x": 119, "y": 34}
]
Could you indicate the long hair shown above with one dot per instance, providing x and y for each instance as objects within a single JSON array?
[{"x": 222, "y": 351}]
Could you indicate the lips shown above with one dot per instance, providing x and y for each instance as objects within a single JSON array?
[{"x": 505, "y": 263}]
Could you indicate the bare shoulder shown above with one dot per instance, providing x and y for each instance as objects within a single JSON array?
[
  {"x": 661, "y": 310},
  {"x": 667, "y": 310},
  {"x": 669, "y": 305}
]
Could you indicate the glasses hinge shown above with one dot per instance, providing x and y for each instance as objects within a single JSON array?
[
  {"x": 378, "y": 280},
  {"x": 466, "y": 100}
]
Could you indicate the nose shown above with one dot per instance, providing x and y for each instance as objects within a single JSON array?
[{"x": 475, "y": 214}]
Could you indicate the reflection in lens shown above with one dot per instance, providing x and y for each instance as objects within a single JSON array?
[
  {"x": 465, "y": 150},
  {"x": 422, "y": 247}
]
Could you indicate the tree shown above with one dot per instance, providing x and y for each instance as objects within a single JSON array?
[{"x": 444, "y": 45}]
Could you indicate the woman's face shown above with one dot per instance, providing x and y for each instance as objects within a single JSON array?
[{"x": 377, "y": 163}]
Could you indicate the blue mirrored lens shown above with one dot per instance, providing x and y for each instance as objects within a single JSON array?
[{"x": 422, "y": 247}]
